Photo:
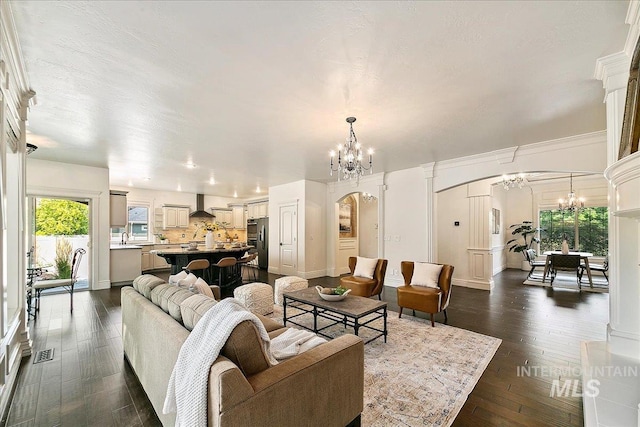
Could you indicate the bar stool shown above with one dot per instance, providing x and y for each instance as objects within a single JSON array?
[
  {"x": 245, "y": 265},
  {"x": 199, "y": 264},
  {"x": 226, "y": 269}
]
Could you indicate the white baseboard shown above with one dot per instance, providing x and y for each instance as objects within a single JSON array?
[
  {"x": 313, "y": 274},
  {"x": 102, "y": 284},
  {"x": 474, "y": 284},
  {"x": 273, "y": 270},
  {"x": 393, "y": 282}
]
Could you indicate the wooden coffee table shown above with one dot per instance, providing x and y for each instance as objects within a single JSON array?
[{"x": 353, "y": 311}]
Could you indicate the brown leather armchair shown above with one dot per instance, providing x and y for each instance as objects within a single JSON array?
[
  {"x": 363, "y": 286},
  {"x": 421, "y": 298}
]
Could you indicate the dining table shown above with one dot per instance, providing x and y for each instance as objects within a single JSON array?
[{"x": 584, "y": 256}]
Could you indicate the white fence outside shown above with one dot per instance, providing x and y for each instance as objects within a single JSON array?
[{"x": 45, "y": 253}]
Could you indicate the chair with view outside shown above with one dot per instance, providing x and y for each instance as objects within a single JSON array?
[
  {"x": 602, "y": 268},
  {"x": 560, "y": 262},
  {"x": 430, "y": 294},
  {"x": 530, "y": 255},
  {"x": 67, "y": 284},
  {"x": 365, "y": 282}
]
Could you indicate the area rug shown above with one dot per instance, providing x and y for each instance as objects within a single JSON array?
[
  {"x": 566, "y": 281},
  {"x": 422, "y": 375}
]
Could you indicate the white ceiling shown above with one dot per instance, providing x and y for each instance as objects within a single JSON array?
[{"x": 256, "y": 93}]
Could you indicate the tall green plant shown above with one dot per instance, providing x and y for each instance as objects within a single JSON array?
[
  {"x": 526, "y": 237},
  {"x": 63, "y": 258}
]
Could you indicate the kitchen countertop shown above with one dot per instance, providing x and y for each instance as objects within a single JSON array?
[
  {"x": 119, "y": 247},
  {"x": 201, "y": 249}
]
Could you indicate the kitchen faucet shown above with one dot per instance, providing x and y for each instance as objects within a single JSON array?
[{"x": 122, "y": 241}]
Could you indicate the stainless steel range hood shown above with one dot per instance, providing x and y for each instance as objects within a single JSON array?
[{"x": 200, "y": 212}]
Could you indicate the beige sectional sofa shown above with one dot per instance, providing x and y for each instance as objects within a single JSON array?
[{"x": 322, "y": 387}]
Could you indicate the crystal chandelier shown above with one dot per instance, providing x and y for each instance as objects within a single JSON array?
[
  {"x": 573, "y": 203},
  {"x": 349, "y": 163},
  {"x": 512, "y": 181}
]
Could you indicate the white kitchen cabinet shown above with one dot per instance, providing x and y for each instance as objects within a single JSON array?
[
  {"x": 183, "y": 217},
  {"x": 146, "y": 261},
  {"x": 263, "y": 210},
  {"x": 251, "y": 211},
  {"x": 117, "y": 209},
  {"x": 224, "y": 216},
  {"x": 239, "y": 221},
  {"x": 175, "y": 217},
  {"x": 124, "y": 264},
  {"x": 258, "y": 210}
]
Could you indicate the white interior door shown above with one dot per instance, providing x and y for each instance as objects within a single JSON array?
[{"x": 288, "y": 240}]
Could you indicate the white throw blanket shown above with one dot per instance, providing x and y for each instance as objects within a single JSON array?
[
  {"x": 187, "y": 389},
  {"x": 293, "y": 342}
]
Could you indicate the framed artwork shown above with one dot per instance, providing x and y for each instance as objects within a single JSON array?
[
  {"x": 631, "y": 120},
  {"x": 344, "y": 220},
  {"x": 495, "y": 213}
]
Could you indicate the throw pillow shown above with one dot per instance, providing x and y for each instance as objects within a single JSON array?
[
  {"x": 188, "y": 281},
  {"x": 175, "y": 278},
  {"x": 426, "y": 274},
  {"x": 365, "y": 267},
  {"x": 201, "y": 287}
]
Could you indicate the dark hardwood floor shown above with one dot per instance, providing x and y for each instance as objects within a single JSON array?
[{"x": 89, "y": 383}]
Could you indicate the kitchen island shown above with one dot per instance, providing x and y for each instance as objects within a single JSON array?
[
  {"x": 124, "y": 264},
  {"x": 180, "y": 257}
]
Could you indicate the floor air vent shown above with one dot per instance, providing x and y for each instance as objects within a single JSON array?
[{"x": 44, "y": 356}]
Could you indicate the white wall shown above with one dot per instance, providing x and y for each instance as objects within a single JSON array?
[
  {"x": 498, "y": 249},
  {"x": 453, "y": 240},
  {"x": 54, "y": 179},
  {"x": 368, "y": 228},
  {"x": 315, "y": 242},
  {"x": 519, "y": 207},
  {"x": 404, "y": 220}
]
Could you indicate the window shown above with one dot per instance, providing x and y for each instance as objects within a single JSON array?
[
  {"x": 586, "y": 230},
  {"x": 138, "y": 224}
]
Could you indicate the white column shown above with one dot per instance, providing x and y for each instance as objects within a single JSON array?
[
  {"x": 431, "y": 237},
  {"x": 623, "y": 330}
]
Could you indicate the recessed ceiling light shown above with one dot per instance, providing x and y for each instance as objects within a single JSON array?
[
  {"x": 179, "y": 187},
  {"x": 235, "y": 194},
  {"x": 258, "y": 189},
  {"x": 212, "y": 181},
  {"x": 130, "y": 183},
  {"x": 190, "y": 165}
]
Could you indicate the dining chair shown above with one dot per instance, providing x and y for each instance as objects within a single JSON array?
[
  {"x": 603, "y": 268},
  {"x": 565, "y": 263},
  {"x": 67, "y": 284},
  {"x": 530, "y": 255}
]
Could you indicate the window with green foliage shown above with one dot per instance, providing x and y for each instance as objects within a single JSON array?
[
  {"x": 137, "y": 227},
  {"x": 586, "y": 230},
  {"x": 59, "y": 217}
]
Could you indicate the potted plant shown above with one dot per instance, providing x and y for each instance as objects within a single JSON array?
[{"x": 526, "y": 238}]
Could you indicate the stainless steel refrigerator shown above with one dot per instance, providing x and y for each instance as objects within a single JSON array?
[{"x": 263, "y": 242}]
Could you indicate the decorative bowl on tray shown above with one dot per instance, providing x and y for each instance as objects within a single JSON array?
[{"x": 332, "y": 294}]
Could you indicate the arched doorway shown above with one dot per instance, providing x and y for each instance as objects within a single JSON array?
[{"x": 365, "y": 236}]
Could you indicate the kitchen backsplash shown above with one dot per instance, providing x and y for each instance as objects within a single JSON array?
[{"x": 176, "y": 235}]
